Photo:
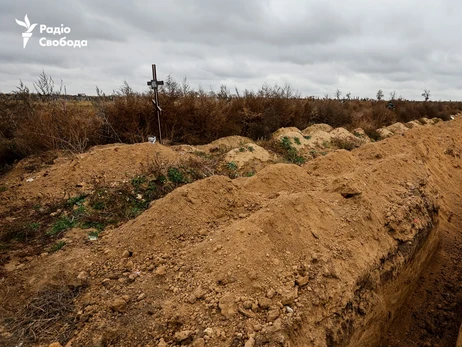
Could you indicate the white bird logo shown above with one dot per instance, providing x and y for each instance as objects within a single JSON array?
[{"x": 26, "y": 35}]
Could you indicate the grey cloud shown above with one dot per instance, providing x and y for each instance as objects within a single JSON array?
[{"x": 316, "y": 46}]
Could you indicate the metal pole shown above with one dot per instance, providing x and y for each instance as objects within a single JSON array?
[{"x": 156, "y": 99}]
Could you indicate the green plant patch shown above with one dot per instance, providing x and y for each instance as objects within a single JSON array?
[
  {"x": 62, "y": 224},
  {"x": 175, "y": 175},
  {"x": 76, "y": 200},
  {"x": 232, "y": 166}
]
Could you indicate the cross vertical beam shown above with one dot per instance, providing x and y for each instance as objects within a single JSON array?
[{"x": 154, "y": 83}]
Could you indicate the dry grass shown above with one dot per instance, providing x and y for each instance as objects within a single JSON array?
[
  {"x": 49, "y": 316},
  {"x": 31, "y": 124}
]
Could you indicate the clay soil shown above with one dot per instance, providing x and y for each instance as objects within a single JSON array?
[{"x": 358, "y": 247}]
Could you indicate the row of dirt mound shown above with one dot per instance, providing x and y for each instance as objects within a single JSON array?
[
  {"x": 322, "y": 254},
  {"x": 55, "y": 174}
]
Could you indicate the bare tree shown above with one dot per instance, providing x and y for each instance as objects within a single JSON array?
[
  {"x": 348, "y": 96},
  {"x": 44, "y": 86},
  {"x": 392, "y": 95},
  {"x": 426, "y": 94},
  {"x": 338, "y": 94},
  {"x": 380, "y": 95}
]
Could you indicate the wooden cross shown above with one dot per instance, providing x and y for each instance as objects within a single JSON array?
[{"x": 154, "y": 83}]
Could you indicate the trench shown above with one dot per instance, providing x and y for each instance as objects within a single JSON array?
[
  {"x": 414, "y": 298},
  {"x": 432, "y": 314}
]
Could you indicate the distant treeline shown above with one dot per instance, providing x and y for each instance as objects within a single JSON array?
[{"x": 31, "y": 123}]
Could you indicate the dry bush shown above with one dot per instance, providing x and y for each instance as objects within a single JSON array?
[
  {"x": 57, "y": 126},
  {"x": 30, "y": 124},
  {"x": 49, "y": 316}
]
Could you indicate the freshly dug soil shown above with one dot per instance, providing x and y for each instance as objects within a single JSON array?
[{"x": 357, "y": 248}]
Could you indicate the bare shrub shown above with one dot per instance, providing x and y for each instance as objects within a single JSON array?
[
  {"x": 32, "y": 123},
  {"x": 49, "y": 316}
]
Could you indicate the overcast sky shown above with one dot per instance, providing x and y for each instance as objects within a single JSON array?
[{"x": 317, "y": 47}]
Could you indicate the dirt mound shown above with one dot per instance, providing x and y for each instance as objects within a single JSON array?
[
  {"x": 346, "y": 140},
  {"x": 394, "y": 129},
  {"x": 225, "y": 144},
  {"x": 320, "y": 255},
  {"x": 294, "y": 134},
  {"x": 68, "y": 175},
  {"x": 315, "y": 138},
  {"x": 413, "y": 124},
  {"x": 248, "y": 153},
  {"x": 317, "y": 127}
]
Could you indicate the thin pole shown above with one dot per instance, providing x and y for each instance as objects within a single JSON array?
[{"x": 156, "y": 100}]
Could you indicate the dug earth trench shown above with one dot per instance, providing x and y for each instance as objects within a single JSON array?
[{"x": 357, "y": 248}]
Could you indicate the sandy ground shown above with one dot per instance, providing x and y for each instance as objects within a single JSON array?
[{"x": 353, "y": 248}]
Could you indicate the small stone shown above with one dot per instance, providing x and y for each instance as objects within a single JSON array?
[
  {"x": 162, "y": 343},
  {"x": 126, "y": 254},
  {"x": 141, "y": 297},
  {"x": 277, "y": 326},
  {"x": 129, "y": 265},
  {"x": 247, "y": 313},
  {"x": 182, "y": 335},
  {"x": 199, "y": 293},
  {"x": 250, "y": 342},
  {"x": 191, "y": 299},
  {"x": 289, "y": 309},
  {"x": 200, "y": 342},
  {"x": 265, "y": 303},
  {"x": 289, "y": 297},
  {"x": 228, "y": 307},
  {"x": 82, "y": 276},
  {"x": 272, "y": 315},
  {"x": 271, "y": 293},
  {"x": 247, "y": 304},
  {"x": 118, "y": 305},
  {"x": 208, "y": 332},
  {"x": 55, "y": 344},
  {"x": 161, "y": 270},
  {"x": 302, "y": 281}
]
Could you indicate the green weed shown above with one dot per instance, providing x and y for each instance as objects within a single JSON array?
[
  {"x": 62, "y": 224},
  {"x": 175, "y": 175},
  {"x": 232, "y": 166}
]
